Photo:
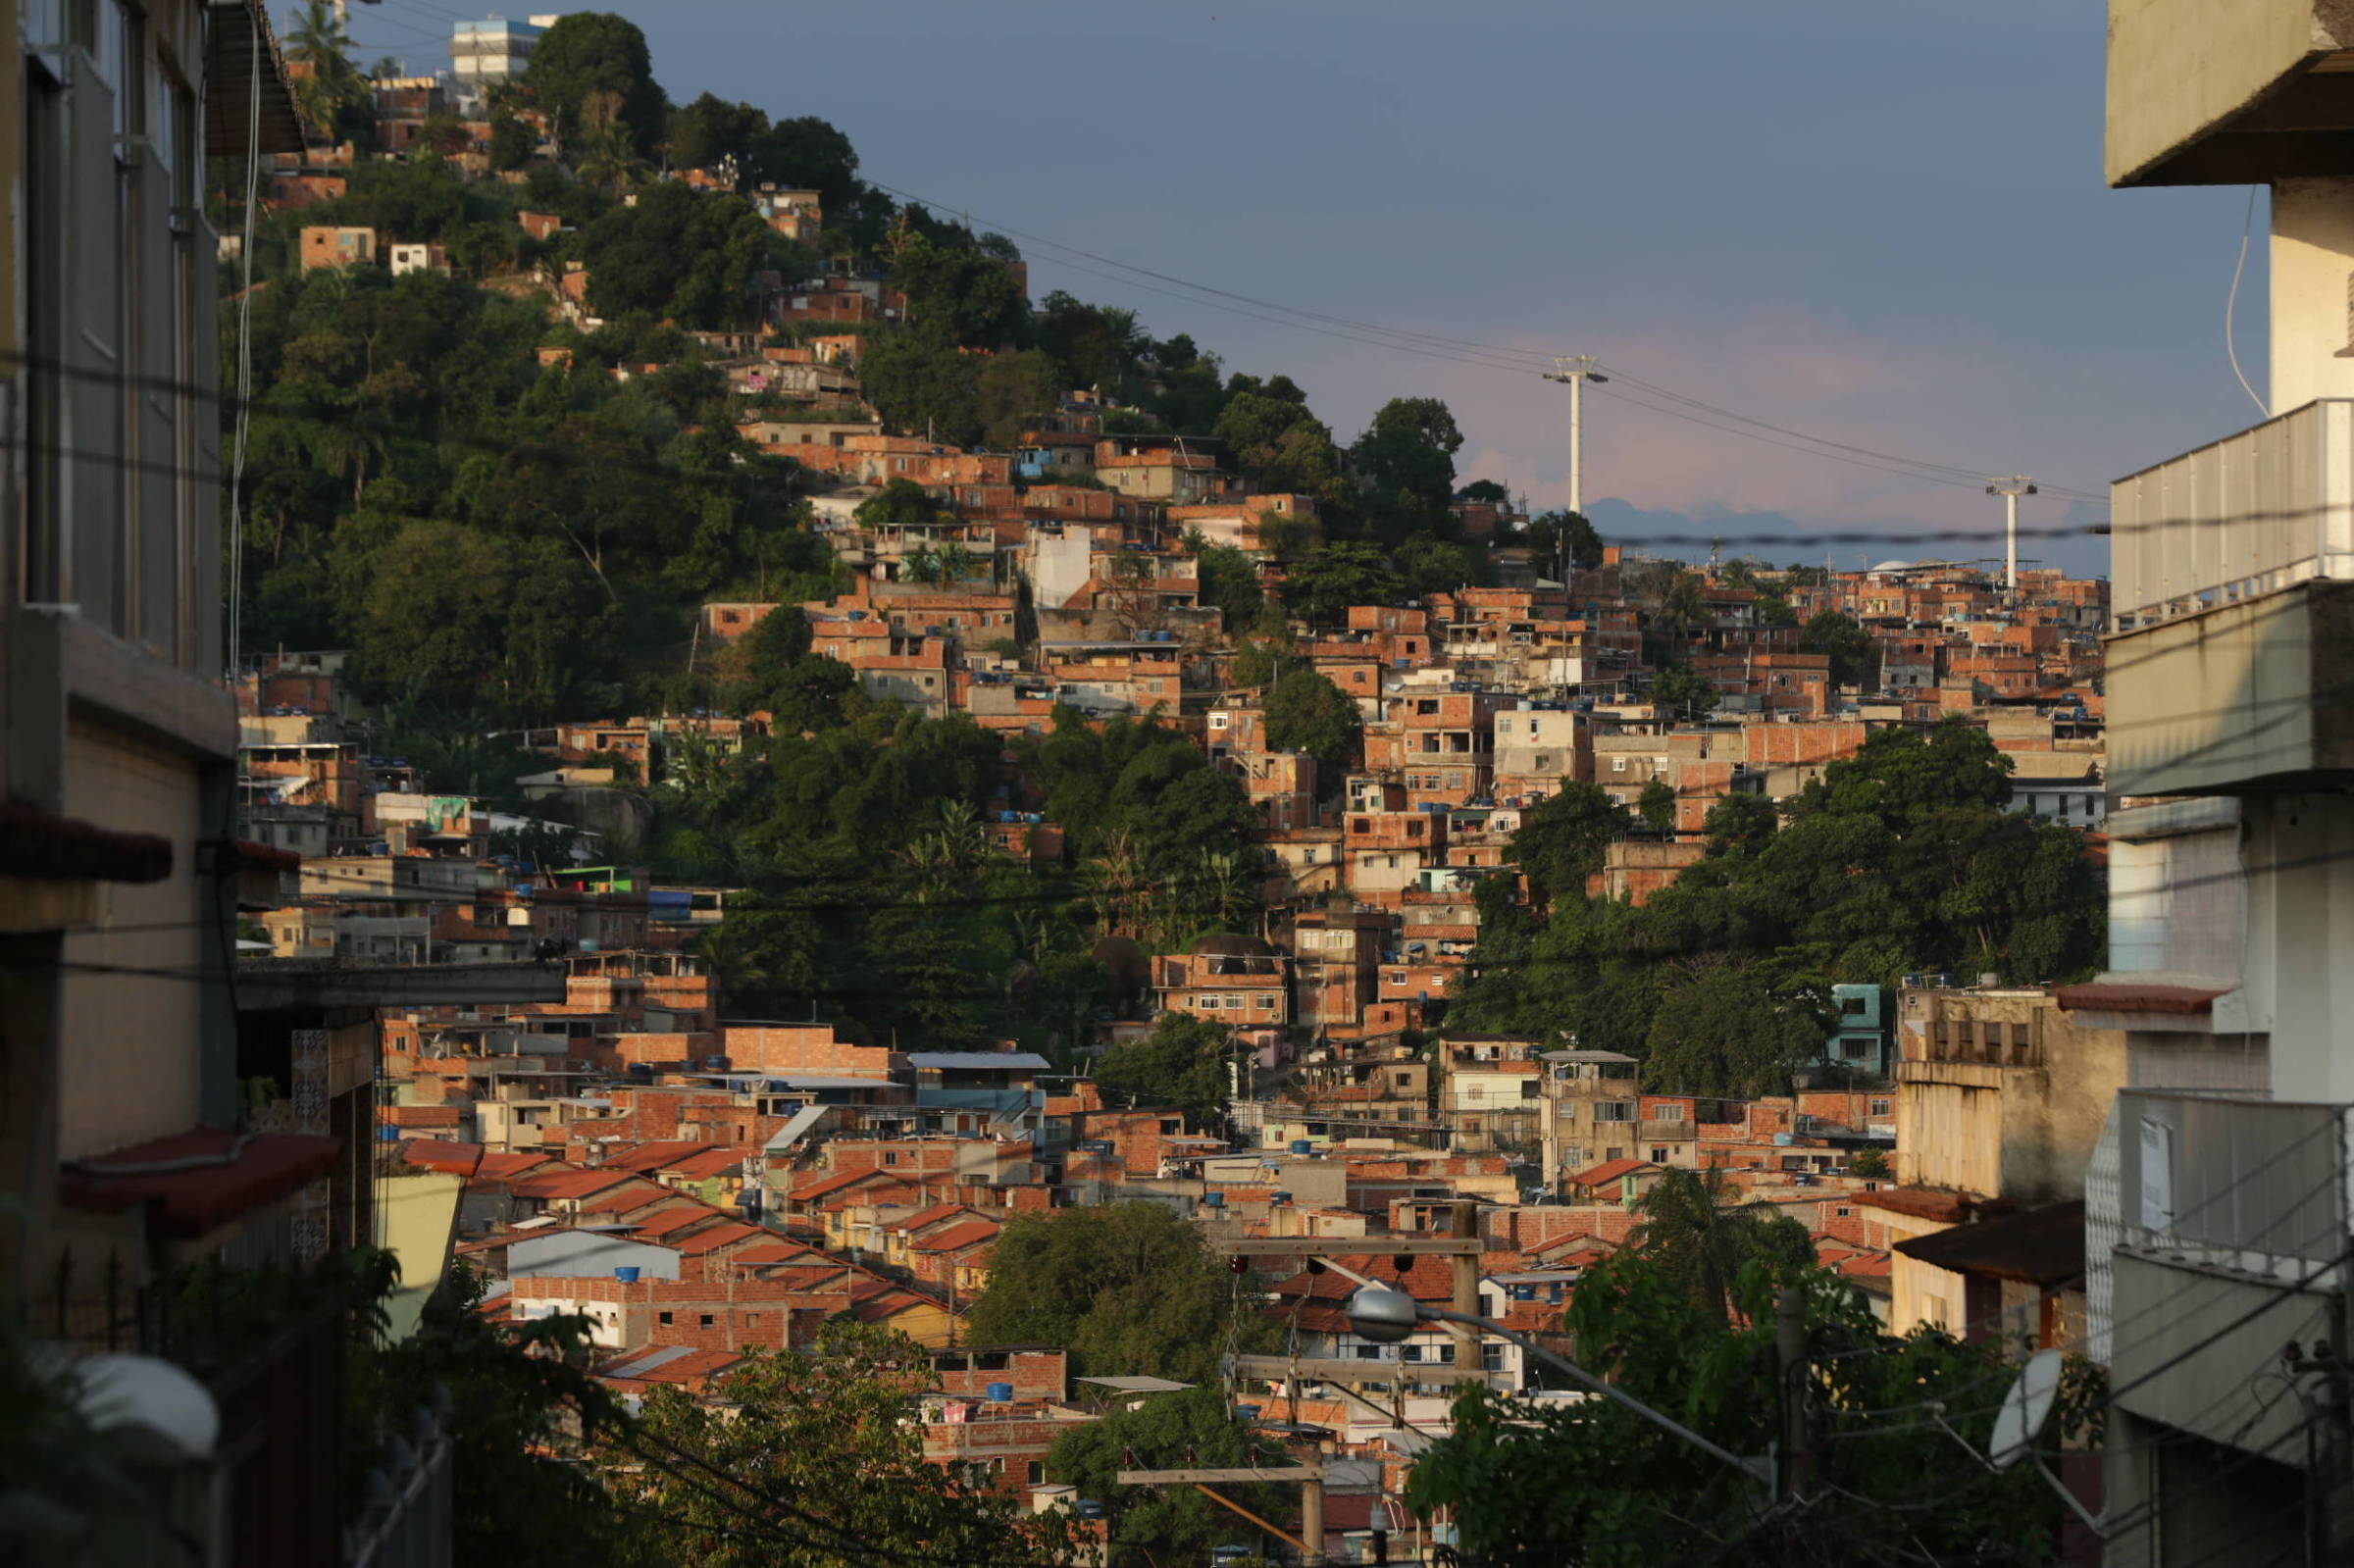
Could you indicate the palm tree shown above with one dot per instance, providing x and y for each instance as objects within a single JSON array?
[
  {"x": 608, "y": 154},
  {"x": 1701, "y": 1233},
  {"x": 331, "y": 83},
  {"x": 1116, "y": 883}
]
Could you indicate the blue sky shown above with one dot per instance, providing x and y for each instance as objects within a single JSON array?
[{"x": 1879, "y": 223}]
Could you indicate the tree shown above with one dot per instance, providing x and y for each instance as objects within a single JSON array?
[
  {"x": 1905, "y": 777},
  {"x": 1011, "y": 392},
  {"x": 331, "y": 88},
  {"x": 1229, "y": 582},
  {"x": 1683, "y": 689},
  {"x": 1559, "y": 843},
  {"x": 1305, "y": 712},
  {"x": 1868, "y": 1163},
  {"x": 963, "y": 292},
  {"x": 806, "y": 153},
  {"x": 1739, "y": 824},
  {"x": 512, "y": 143},
  {"x": 1656, "y": 806},
  {"x": 1323, "y": 584},
  {"x": 712, "y": 129},
  {"x": 1698, "y": 1234},
  {"x": 807, "y": 1458},
  {"x": 1550, "y": 533},
  {"x": 1098, "y": 344},
  {"x": 922, "y": 382},
  {"x": 1724, "y": 1030},
  {"x": 1406, "y": 457},
  {"x": 1485, "y": 493},
  {"x": 1855, "y": 657},
  {"x": 1129, "y": 1288},
  {"x": 1593, "y": 1484},
  {"x": 585, "y": 53},
  {"x": 1184, "y": 1429},
  {"x": 674, "y": 253},
  {"x": 1431, "y": 566},
  {"x": 1273, "y": 441},
  {"x": 1258, "y": 661},
  {"x": 1180, "y": 1065},
  {"x": 764, "y": 658}
]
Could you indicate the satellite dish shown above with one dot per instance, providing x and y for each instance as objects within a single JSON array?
[{"x": 2025, "y": 1408}]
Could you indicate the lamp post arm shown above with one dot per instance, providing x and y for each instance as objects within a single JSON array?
[{"x": 1758, "y": 1470}]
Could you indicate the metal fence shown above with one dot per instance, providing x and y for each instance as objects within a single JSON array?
[
  {"x": 2254, "y": 512},
  {"x": 2251, "y": 1184},
  {"x": 407, "y": 1519}
]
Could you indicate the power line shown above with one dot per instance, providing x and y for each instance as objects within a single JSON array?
[{"x": 1492, "y": 356}]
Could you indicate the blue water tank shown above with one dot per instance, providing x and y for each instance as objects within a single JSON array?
[
  {"x": 999, "y": 1393},
  {"x": 627, "y": 1274},
  {"x": 1215, "y": 1200},
  {"x": 1302, "y": 1146}
]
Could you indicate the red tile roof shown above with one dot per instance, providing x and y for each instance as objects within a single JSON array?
[
  {"x": 649, "y": 1156},
  {"x": 506, "y": 1167},
  {"x": 678, "y": 1216},
  {"x": 959, "y": 1237},
  {"x": 705, "y": 1164},
  {"x": 827, "y": 1185},
  {"x": 776, "y": 1253},
  {"x": 569, "y": 1184},
  {"x": 931, "y": 1216},
  {"x": 439, "y": 1154},
  {"x": 1609, "y": 1171},
  {"x": 650, "y": 1365},
  {"x": 711, "y": 1240}
]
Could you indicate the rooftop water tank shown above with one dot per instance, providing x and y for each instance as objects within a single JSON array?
[
  {"x": 999, "y": 1393},
  {"x": 627, "y": 1274},
  {"x": 1302, "y": 1146}
]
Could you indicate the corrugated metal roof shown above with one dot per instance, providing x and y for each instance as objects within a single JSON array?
[{"x": 978, "y": 1059}]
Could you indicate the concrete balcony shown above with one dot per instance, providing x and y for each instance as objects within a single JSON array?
[{"x": 2231, "y": 575}]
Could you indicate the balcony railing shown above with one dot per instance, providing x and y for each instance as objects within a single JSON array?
[
  {"x": 2253, "y": 1186},
  {"x": 2271, "y": 506}
]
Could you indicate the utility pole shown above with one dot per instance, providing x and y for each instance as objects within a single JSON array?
[
  {"x": 1576, "y": 370},
  {"x": 2011, "y": 490},
  {"x": 1790, "y": 1356},
  {"x": 1465, "y": 1270}
]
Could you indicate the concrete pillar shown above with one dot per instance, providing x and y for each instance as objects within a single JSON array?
[
  {"x": 1312, "y": 1520},
  {"x": 2313, "y": 292}
]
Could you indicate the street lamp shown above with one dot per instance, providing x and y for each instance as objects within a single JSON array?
[{"x": 1386, "y": 1316}]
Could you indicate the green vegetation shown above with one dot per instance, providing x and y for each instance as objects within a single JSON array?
[
  {"x": 1181, "y": 1065},
  {"x": 810, "y": 1460},
  {"x": 1595, "y": 1484},
  {"x": 1128, "y": 1287},
  {"x": 1900, "y": 858},
  {"x": 1305, "y": 712},
  {"x": 1168, "y": 1430}
]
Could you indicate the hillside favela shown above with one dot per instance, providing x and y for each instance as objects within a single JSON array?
[{"x": 705, "y": 866}]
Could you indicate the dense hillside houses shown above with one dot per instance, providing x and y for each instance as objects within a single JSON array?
[{"x": 847, "y": 838}]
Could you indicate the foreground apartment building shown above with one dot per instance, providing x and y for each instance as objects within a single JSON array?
[
  {"x": 129, "y": 1160},
  {"x": 2219, "y": 1200}
]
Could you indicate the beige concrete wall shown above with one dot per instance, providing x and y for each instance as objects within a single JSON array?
[
  {"x": 2021, "y": 1131},
  {"x": 1918, "y": 1294},
  {"x": 129, "y": 1065},
  {"x": 2312, "y": 261},
  {"x": 2180, "y": 68},
  {"x": 2300, "y": 891},
  {"x": 2240, "y": 692}
]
